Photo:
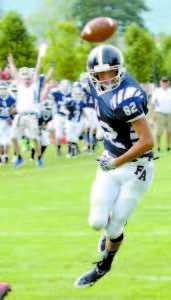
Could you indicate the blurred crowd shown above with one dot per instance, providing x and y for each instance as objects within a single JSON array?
[{"x": 36, "y": 110}]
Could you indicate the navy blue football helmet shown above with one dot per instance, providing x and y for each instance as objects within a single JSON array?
[{"x": 102, "y": 59}]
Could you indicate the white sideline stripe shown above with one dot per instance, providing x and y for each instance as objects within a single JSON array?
[
  {"x": 42, "y": 208},
  {"x": 158, "y": 207},
  {"x": 40, "y": 233},
  {"x": 28, "y": 171},
  {"x": 136, "y": 276},
  {"x": 75, "y": 233}
]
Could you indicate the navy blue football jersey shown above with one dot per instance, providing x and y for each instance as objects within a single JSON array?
[
  {"x": 5, "y": 105},
  {"x": 116, "y": 110},
  {"x": 60, "y": 99},
  {"x": 89, "y": 100},
  {"x": 75, "y": 110}
]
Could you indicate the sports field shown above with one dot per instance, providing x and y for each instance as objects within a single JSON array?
[{"x": 46, "y": 242}]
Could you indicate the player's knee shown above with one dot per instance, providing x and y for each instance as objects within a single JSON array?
[
  {"x": 98, "y": 220},
  {"x": 115, "y": 228}
]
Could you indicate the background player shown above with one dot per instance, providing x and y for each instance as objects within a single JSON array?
[
  {"x": 27, "y": 108},
  {"x": 45, "y": 127},
  {"x": 60, "y": 96},
  {"x": 7, "y": 103},
  {"x": 75, "y": 107}
]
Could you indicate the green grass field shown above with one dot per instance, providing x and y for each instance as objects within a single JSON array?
[{"x": 46, "y": 242}]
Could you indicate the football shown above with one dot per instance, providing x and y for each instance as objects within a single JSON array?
[
  {"x": 99, "y": 29},
  {"x": 4, "y": 290}
]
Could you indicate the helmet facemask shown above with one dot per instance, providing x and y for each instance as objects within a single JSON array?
[
  {"x": 46, "y": 109},
  {"x": 110, "y": 83},
  {"x": 3, "y": 90}
]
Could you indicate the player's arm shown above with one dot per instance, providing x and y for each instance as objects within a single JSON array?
[
  {"x": 12, "y": 67},
  {"x": 12, "y": 110},
  {"x": 37, "y": 69},
  {"x": 50, "y": 73},
  {"x": 145, "y": 142},
  {"x": 45, "y": 92}
]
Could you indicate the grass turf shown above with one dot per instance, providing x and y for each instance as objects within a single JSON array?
[{"x": 46, "y": 242}]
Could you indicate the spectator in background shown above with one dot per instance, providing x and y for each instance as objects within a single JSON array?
[
  {"x": 6, "y": 74},
  {"x": 161, "y": 112}
]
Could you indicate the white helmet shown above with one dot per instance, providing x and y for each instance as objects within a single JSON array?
[
  {"x": 23, "y": 71},
  {"x": 46, "y": 108},
  {"x": 3, "y": 89},
  {"x": 77, "y": 94},
  {"x": 65, "y": 86},
  {"x": 84, "y": 78}
]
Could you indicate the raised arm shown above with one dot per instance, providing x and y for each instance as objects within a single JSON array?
[
  {"x": 12, "y": 67},
  {"x": 50, "y": 73},
  {"x": 37, "y": 69},
  {"x": 45, "y": 92}
]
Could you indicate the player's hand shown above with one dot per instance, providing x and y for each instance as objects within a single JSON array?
[
  {"x": 106, "y": 162},
  {"x": 52, "y": 63}
]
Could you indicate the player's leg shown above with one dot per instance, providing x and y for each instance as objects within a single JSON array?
[
  {"x": 132, "y": 190},
  {"x": 168, "y": 133},
  {"x": 7, "y": 142},
  {"x": 87, "y": 129},
  {"x": 1, "y": 157},
  {"x": 16, "y": 133},
  {"x": 58, "y": 124},
  {"x": 1, "y": 141},
  {"x": 45, "y": 141},
  {"x": 81, "y": 130},
  {"x": 103, "y": 195},
  {"x": 74, "y": 135},
  {"x": 134, "y": 183},
  {"x": 33, "y": 133},
  {"x": 93, "y": 129},
  {"x": 69, "y": 137},
  {"x": 160, "y": 124}
]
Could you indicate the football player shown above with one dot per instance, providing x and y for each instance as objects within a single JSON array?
[
  {"x": 27, "y": 107},
  {"x": 75, "y": 107},
  {"x": 60, "y": 96},
  {"x": 45, "y": 126},
  {"x": 91, "y": 119},
  {"x": 126, "y": 168},
  {"x": 7, "y": 103}
]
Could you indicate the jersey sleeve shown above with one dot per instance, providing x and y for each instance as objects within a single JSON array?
[
  {"x": 69, "y": 104},
  {"x": 41, "y": 79},
  {"x": 56, "y": 95},
  {"x": 12, "y": 101},
  {"x": 131, "y": 109}
]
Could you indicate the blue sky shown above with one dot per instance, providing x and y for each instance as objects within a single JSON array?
[{"x": 158, "y": 20}]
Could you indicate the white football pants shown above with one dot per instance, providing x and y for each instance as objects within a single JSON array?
[{"x": 116, "y": 193}]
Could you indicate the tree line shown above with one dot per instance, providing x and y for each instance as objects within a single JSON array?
[{"x": 145, "y": 58}]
